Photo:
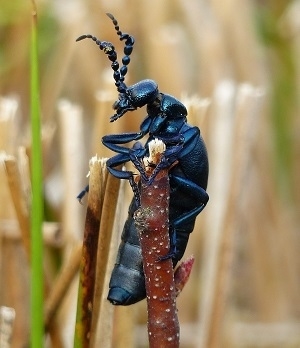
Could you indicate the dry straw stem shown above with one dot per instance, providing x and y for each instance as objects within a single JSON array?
[
  {"x": 62, "y": 284},
  {"x": 17, "y": 172},
  {"x": 73, "y": 157},
  {"x": 104, "y": 311},
  {"x": 7, "y": 318},
  {"x": 19, "y": 200},
  {"x": 17, "y": 179},
  {"x": 152, "y": 223},
  {"x": 104, "y": 102},
  {"x": 248, "y": 105},
  {"x": 8, "y": 112},
  {"x": 106, "y": 229},
  {"x": 102, "y": 201},
  {"x": 89, "y": 253}
]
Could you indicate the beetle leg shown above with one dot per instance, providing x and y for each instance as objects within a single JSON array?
[
  {"x": 83, "y": 193},
  {"x": 173, "y": 248},
  {"x": 178, "y": 228},
  {"x": 168, "y": 158},
  {"x": 135, "y": 159},
  {"x": 199, "y": 194},
  {"x": 123, "y": 174},
  {"x": 191, "y": 137},
  {"x": 112, "y": 141}
]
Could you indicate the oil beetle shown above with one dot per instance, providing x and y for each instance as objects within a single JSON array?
[{"x": 166, "y": 120}]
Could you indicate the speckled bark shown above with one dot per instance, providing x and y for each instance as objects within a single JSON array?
[{"x": 152, "y": 222}]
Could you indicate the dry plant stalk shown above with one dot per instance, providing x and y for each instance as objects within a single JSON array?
[
  {"x": 248, "y": 106},
  {"x": 16, "y": 178},
  {"x": 102, "y": 202},
  {"x": 104, "y": 331},
  {"x": 62, "y": 285},
  {"x": 152, "y": 223},
  {"x": 19, "y": 200},
  {"x": 106, "y": 229},
  {"x": 7, "y": 318},
  {"x": 89, "y": 253}
]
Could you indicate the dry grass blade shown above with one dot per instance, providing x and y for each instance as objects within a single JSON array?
[
  {"x": 71, "y": 123},
  {"x": 105, "y": 234},
  {"x": 62, "y": 284},
  {"x": 248, "y": 104},
  {"x": 105, "y": 318},
  {"x": 7, "y": 318},
  {"x": 102, "y": 201},
  {"x": 19, "y": 200},
  {"x": 19, "y": 188},
  {"x": 89, "y": 255}
]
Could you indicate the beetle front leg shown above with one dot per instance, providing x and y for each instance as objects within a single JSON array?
[
  {"x": 123, "y": 174},
  {"x": 112, "y": 141}
]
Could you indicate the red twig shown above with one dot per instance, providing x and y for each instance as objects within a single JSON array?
[{"x": 152, "y": 223}]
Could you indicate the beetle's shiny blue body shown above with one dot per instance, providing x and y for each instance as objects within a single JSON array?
[
  {"x": 188, "y": 182},
  {"x": 165, "y": 120}
]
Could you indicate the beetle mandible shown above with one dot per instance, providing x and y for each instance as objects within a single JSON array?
[{"x": 166, "y": 119}]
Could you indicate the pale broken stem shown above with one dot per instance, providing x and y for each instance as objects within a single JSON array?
[
  {"x": 104, "y": 312},
  {"x": 105, "y": 233},
  {"x": 243, "y": 132},
  {"x": 20, "y": 194},
  {"x": 89, "y": 255},
  {"x": 18, "y": 197},
  {"x": 102, "y": 201},
  {"x": 152, "y": 225},
  {"x": 62, "y": 285},
  {"x": 7, "y": 318}
]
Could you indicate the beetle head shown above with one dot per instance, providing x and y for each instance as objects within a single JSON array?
[{"x": 135, "y": 96}]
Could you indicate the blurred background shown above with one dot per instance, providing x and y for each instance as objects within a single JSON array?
[{"x": 235, "y": 66}]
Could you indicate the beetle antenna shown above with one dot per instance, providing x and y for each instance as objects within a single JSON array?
[
  {"x": 129, "y": 42},
  {"x": 109, "y": 49}
]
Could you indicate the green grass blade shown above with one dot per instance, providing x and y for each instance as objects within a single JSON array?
[{"x": 37, "y": 288}]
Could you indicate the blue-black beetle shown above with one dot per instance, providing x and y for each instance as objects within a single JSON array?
[{"x": 165, "y": 120}]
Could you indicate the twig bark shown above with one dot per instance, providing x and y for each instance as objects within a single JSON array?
[{"x": 152, "y": 223}]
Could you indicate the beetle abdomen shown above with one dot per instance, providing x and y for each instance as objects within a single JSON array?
[{"x": 127, "y": 283}]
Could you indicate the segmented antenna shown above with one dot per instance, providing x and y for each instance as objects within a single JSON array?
[
  {"x": 109, "y": 50},
  {"x": 129, "y": 42}
]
